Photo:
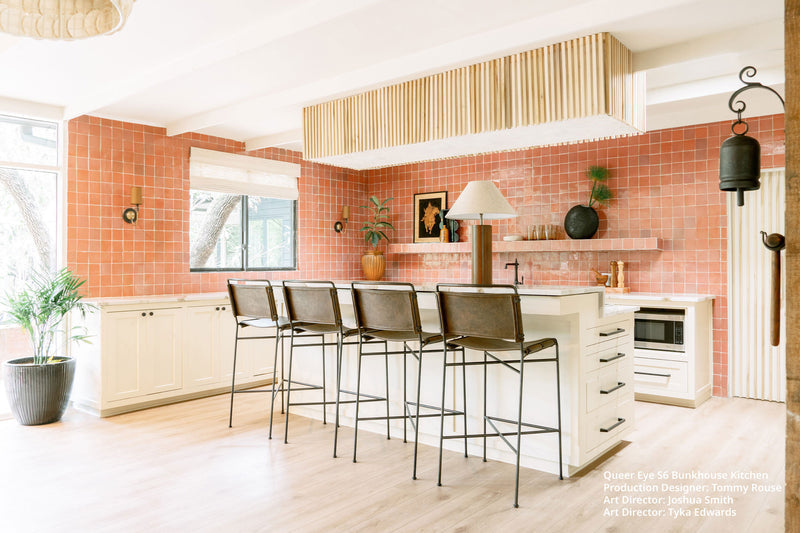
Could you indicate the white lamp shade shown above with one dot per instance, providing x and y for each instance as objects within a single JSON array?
[{"x": 481, "y": 200}]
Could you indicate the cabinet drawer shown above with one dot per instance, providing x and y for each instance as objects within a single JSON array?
[
  {"x": 662, "y": 377},
  {"x": 609, "y": 354},
  {"x": 609, "y": 333},
  {"x": 606, "y": 385},
  {"x": 607, "y": 423}
]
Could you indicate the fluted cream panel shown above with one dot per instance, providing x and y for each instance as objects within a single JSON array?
[
  {"x": 583, "y": 77},
  {"x": 757, "y": 369}
]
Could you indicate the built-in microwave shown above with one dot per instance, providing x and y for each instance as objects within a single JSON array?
[{"x": 659, "y": 329}]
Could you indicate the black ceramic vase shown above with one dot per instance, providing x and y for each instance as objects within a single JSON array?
[{"x": 581, "y": 222}]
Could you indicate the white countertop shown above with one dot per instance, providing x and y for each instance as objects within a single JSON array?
[
  {"x": 653, "y": 297},
  {"x": 614, "y": 310},
  {"x": 524, "y": 290},
  {"x": 156, "y": 299}
]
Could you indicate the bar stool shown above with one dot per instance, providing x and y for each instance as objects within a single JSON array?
[
  {"x": 489, "y": 319},
  {"x": 313, "y": 311},
  {"x": 253, "y": 305},
  {"x": 389, "y": 311}
]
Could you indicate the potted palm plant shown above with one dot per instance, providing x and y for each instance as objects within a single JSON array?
[
  {"x": 38, "y": 387},
  {"x": 373, "y": 261},
  {"x": 582, "y": 221}
]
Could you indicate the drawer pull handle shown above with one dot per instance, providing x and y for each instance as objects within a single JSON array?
[
  {"x": 610, "y": 333},
  {"x": 619, "y": 355},
  {"x": 654, "y": 374},
  {"x": 612, "y": 426},
  {"x": 620, "y": 384}
]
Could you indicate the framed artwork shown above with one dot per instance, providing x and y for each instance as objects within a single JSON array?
[{"x": 428, "y": 213}]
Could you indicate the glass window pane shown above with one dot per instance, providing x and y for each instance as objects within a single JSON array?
[
  {"x": 28, "y": 141},
  {"x": 28, "y": 225},
  {"x": 215, "y": 230},
  {"x": 270, "y": 233}
]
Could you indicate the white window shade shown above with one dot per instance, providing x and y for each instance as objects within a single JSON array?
[{"x": 241, "y": 174}]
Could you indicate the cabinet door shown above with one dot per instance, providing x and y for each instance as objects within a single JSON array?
[
  {"x": 201, "y": 346},
  {"x": 162, "y": 354},
  {"x": 122, "y": 336}
]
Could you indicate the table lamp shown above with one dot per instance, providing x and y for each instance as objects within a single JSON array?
[{"x": 481, "y": 200}]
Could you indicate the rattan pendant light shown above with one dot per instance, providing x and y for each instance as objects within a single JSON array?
[{"x": 63, "y": 20}]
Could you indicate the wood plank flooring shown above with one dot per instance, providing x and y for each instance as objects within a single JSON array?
[{"x": 180, "y": 468}]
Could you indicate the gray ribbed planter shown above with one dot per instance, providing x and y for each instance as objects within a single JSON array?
[{"x": 38, "y": 394}]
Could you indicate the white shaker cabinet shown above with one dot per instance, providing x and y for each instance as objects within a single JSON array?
[
  {"x": 208, "y": 346},
  {"x": 147, "y": 355},
  {"x": 157, "y": 350}
]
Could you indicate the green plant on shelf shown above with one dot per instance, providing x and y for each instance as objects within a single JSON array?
[
  {"x": 600, "y": 193},
  {"x": 374, "y": 229}
]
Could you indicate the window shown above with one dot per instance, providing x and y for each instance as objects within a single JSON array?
[
  {"x": 28, "y": 200},
  {"x": 243, "y": 212},
  {"x": 220, "y": 224}
]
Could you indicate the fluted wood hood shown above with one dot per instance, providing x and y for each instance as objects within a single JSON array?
[{"x": 580, "y": 89}]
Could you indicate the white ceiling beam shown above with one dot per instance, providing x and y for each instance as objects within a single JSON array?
[
  {"x": 277, "y": 139},
  {"x": 25, "y": 108},
  {"x": 256, "y": 34},
  {"x": 764, "y": 36},
  {"x": 709, "y": 87},
  {"x": 580, "y": 19}
]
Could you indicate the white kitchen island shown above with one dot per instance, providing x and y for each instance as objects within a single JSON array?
[{"x": 596, "y": 349}]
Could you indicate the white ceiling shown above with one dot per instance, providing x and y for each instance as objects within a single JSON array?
[{"x": 244, "y": 69}]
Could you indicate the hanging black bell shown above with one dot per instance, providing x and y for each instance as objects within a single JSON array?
[{"x": 739, "y": 165}]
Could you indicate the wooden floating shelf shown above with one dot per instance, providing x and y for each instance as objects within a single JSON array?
[{"x": 647, "y": 244}]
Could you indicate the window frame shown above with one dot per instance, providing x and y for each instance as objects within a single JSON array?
[{"x": 245, "y": 239}]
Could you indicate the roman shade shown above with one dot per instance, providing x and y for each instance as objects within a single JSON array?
[{"x": 210, "y": 170}]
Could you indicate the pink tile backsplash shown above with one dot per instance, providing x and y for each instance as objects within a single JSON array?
[{"x": 665, "y": 184}]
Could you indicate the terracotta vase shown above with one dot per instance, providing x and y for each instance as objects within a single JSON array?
[{"x": 374, "y": 263}]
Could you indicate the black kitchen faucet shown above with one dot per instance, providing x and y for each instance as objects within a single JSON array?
[{"x": 515, "y": 264}]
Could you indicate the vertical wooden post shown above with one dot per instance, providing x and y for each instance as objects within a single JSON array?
[{"x": 792, "y": 67}]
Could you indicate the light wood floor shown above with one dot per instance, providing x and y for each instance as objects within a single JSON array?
[{"x": 179, "y": 468}]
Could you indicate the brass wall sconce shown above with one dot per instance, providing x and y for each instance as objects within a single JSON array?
[
  {"x": 340, "y": 226},
  {"x": 131, "y": 215}
]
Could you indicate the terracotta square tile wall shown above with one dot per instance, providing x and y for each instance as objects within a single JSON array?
[
  {"x": 105, "y": 158},
  {"x": 666, "y": 184}
]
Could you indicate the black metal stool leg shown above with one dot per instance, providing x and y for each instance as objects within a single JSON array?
[
  {"x": 288, "y": 393},
  {"x": 386, "y": 367},
  {"x": 338, "y": 392},
  {"x": 441, "y": 417},
  {"x": 283, "y": 366},
  {"x": 405, "y": 395},
  {"x": 233, "y": 376},
  {"x": 358, "y": 396},
  {"x": 324, "y": 394},
  {"x": 273, "y": 392},
  {"x": 464, "y": 393},
  {"x": 416, "y": 413},
  {"x": 485, "y": 366},
  {"x": 558, "y": 398},
  {"x": 519, "y": 428}
]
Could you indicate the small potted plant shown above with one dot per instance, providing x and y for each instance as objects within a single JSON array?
[
  {"x": 373, "y": 261},
  {"x": 38, "y": 387},
  {"x": 582, "y": 221}
]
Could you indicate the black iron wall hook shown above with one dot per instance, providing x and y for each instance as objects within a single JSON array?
[{"x": 749, "y": 72}]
